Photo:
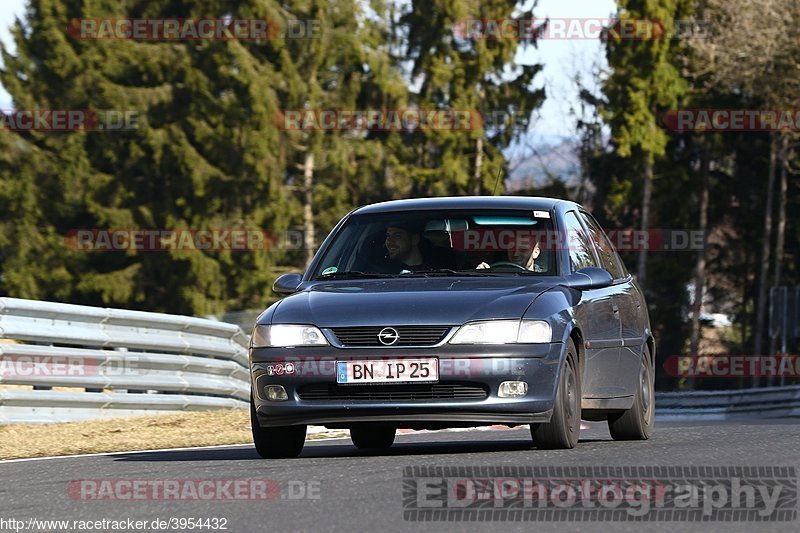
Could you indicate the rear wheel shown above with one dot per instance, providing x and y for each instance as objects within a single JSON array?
[
  {"x": 280, "y": 442},
  {"x": 637, "y": 422},
  {"x": 565, "y": 426},
  {"x": 372, "y": 436}
]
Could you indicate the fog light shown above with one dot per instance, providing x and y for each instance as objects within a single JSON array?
[
  {"x": 276, "y": 393},
  {"x": 512, "y": 389}
]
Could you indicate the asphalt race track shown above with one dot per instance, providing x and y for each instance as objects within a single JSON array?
[{"x": 352, "y": 490}]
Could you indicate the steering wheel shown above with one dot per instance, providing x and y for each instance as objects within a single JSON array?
[{"x": 508, "y": 264}]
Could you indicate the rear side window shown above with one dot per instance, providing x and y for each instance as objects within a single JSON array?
[
  {"x": 580, "y": 249},
  {"x": 608, "y": 256}
]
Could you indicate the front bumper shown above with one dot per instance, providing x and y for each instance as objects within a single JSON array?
[{"x": 483, "y": 366}]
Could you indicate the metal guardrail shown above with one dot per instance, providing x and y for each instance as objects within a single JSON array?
[
  {"x": 766, "y": 402},
  {"x": 115, "y": 362}
]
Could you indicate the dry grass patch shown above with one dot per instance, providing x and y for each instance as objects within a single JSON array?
[
  {"x": 181, "y": 430},
  {"x": 203, "y": 428}
]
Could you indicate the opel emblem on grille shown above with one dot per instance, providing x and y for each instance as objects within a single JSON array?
[{"x": 388, "y": 336}]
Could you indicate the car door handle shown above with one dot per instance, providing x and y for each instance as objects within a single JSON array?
[{"x": 615, "y": 307}]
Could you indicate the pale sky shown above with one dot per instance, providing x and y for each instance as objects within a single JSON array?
[
  {"x": 8, "y": 10},
  {"x": 563, "y": 60}
]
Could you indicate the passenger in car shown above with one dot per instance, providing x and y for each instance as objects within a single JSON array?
[{"x": 523, "y": 254}]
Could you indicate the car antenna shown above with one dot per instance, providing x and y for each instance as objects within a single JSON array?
[
  {"x": 499, "y": 171},
  {"x": 496, "y": 181}
]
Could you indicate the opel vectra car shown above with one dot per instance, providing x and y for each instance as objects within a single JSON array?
[{"x": 455, "y": 312}]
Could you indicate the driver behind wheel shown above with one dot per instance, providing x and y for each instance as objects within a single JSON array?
[
  {"x": 523, "y": 254},
  {"x": 402, "y": 244}
]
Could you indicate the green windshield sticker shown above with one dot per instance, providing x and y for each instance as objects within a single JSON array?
[
  {"x": 329, "y": 270},
  {"x": 503, "y": 221}
]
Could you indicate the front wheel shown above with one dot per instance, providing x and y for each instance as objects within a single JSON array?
[
  {"x": 565, "y": 426},
  {"x": 637, "y": 422},
  {"x": 280, "y": 442}
]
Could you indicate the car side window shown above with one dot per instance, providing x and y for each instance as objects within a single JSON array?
[
  {"x": 608, "y": 256},
  {"x": 580, "y": 249}
]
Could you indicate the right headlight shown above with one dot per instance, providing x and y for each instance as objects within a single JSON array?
[
  {"x": 504, "y": 332},
  {"x": 286, "y": 335}
]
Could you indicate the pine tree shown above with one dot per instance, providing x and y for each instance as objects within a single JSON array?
[
  {"x": 644, "y": 82},
  {"x": 457, "y": 70},
  {"x": 205, "y": 155}
]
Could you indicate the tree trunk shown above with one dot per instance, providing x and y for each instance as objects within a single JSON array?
[
  {"x": 780, "y": 233},
  {"x": 308, "y": 203},
  {"x": 641, "y": 272},
  {"x": 761, "y": 304},
  {"x": 476, "y": 177},
  {"x": 700, "y": 266},
  {"x": 744, "y": 277}
]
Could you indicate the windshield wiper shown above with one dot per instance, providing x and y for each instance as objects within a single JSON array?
[
  {"x": 436, "y": 272},
  {"x": 446, "y": 272},
  {"x": 482, "y": 272},
  {"x": 353, "y": 274}
]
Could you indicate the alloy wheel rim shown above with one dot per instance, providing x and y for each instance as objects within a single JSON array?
[
  {"x": 644, "y": 380},
  {"x": 571, "y": 397}
]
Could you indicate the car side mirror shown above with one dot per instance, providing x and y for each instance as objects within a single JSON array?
[
  {"x": 287, "y": 283},
  {"x": 589, "y": 278}
]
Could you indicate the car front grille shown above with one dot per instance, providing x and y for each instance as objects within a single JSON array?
[
  {"x": 398, "y": 392},
  {"x": 407, "y": 335}
]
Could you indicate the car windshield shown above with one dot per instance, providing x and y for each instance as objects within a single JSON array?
[{"x": 441, "y": 243}]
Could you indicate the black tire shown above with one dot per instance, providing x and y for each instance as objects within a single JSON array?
[
  {"x": 372, "y": 436},
  {"x": 564, "y": 428},
  {"x": 282, "y": 442},
  {"x": 637, "y": 422}
]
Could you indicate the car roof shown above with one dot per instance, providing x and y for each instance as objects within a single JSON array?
[{"x": 466, "y": 202}]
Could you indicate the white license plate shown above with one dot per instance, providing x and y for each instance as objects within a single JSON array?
[{"x": 410, "y": 370}]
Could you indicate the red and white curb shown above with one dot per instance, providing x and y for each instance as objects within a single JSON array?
[
  {"x": 321, "y": 432},
  {"x": 479, "y": 428}
]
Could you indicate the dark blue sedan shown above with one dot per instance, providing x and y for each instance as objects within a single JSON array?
[{"x": 455, "y": 312}]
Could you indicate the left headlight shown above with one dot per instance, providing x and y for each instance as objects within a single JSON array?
[
  {"x": 504, "y": 332},
  {"x": 286, "y": 335}
]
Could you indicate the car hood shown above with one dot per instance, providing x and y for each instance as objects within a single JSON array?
[{"x": 441, "y": 301}]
